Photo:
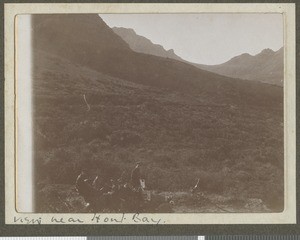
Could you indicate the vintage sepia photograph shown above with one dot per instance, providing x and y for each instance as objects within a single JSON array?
[{"x": 159, "y": 113}]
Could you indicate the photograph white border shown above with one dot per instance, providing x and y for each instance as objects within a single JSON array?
[{"x": 288, "y": 216}]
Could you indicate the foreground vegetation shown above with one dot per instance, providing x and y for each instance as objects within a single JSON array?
[{"x": 234, "y": 147}]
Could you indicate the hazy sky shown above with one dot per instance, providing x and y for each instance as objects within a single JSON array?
[{"x": 206, "y": 38}]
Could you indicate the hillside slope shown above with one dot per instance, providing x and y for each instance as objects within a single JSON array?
[
  {"x": 181, "y": 122},
  {"x": 236, "y": 152},
  {"x": 266, "y": 66}
]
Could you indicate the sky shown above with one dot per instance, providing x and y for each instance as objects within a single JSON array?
[{"x": 206, "y": 38}]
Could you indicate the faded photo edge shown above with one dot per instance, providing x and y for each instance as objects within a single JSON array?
[{"x": 289, "y": 213}]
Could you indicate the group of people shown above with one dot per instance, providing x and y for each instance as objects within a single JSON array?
[{"x": 93, "y": 189}]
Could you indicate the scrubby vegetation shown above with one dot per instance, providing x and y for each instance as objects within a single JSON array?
[{"x": 234, "y": 147}]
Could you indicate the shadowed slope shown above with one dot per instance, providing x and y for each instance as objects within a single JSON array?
[{"x": 86, "y": 40}]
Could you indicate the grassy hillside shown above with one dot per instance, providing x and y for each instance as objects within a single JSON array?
[
  {"x": 181, "y": 122},
  {"x": 236, "y": 149}
]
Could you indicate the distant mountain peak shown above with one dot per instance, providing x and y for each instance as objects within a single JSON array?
[
  {"x": 130, "y": 30},
  {"x": 239, "y": 57},
  {"x": 171, "y": 51},
  {"x": 243, "y": 55},
  {"x": 142, "y": 44},
  {"x": 246, "y": 54},
  {"x": 266, "y": 66},
  {"x": 267, "y": 51}
]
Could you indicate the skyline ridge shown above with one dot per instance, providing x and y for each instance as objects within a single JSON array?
[{"x": 205, "y": 38}]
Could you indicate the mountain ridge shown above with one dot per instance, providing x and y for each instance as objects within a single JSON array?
[
  {"x": 142, "y": 44},
  {"x": 268, "y": 69},
  {"x": 108, "y": 53}
]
